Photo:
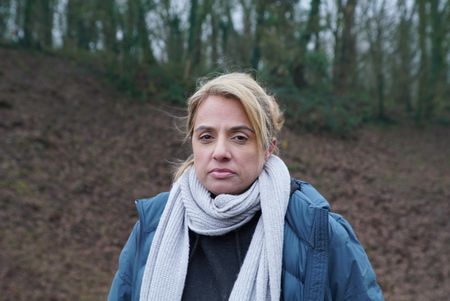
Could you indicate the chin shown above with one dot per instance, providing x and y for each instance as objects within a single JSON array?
[
  {"x": 222, "y": 189},
  {"x": 226, "y": 190}
]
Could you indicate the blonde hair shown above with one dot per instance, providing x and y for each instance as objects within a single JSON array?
[{"x": 261, "y": 108}]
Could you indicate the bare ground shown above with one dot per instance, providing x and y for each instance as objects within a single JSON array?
[{"x": 75, "y": 153}]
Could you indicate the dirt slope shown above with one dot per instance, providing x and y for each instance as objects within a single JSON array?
[{"x": 75, "y": 154}]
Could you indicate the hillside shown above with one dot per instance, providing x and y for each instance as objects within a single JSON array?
[{"x": 75, "y": 153}]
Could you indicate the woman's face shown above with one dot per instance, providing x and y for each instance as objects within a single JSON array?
[{"x": 227, "y": 157}]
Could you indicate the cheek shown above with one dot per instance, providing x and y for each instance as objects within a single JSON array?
[
  {"x": 254, "y": 163},
  {"x": 200, "y": 159},
  {"x": 196, "y": 151},
  {"x": 260, "y": 157},
  {"x": 260, "y": 165},
  {"x": 199, "y": 169}
]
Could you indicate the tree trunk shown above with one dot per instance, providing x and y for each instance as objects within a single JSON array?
[
  {"x": 376, "y": 50},
  {"x": 4, "y": 16},
  {"x": 312, "y": 28},
  {"x": 174, "y": 41},
  {"x": 256, "y": 48},
  {"x": 47, "y": 23},
  {"x": 344, "y": 69},
  {"x": 28, "y": 29},
  {"x": 143, "y": 35},
  {"x": 226, "y": 28},
  {"x": 214, "y": 23},
  {"x": 423, "y": 95},
  {"x": 437, "y": 80},
  {"x": 109, "y": 22},
  {"x": 404, "y": 56},
  {"x": 197, "y": 15},
  {"x": 193, "y": 37}
]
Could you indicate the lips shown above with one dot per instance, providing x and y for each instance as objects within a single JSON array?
[{"x": 221, "y": 173}]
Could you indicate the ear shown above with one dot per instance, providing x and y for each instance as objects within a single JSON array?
[{"x": 271, "y": 148}]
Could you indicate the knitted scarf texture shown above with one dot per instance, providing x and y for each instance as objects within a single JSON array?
[{"x": 190, "y": 206}]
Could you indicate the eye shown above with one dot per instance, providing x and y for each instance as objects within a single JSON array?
[
  {"x": 240, "y": 138},
  {"x": 205, "y": 138}
]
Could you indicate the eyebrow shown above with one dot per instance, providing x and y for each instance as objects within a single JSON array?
[{"x": 233, "y": 129}]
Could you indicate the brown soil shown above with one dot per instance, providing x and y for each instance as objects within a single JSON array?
[{"x": 75, "y": 153}]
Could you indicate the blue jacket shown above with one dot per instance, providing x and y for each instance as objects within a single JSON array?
[{"x": 322, "y": 258}]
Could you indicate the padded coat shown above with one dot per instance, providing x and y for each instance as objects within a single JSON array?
[{"x": 322, "y": 258}]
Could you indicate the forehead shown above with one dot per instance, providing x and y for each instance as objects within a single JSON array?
[{"x": 217, "y": 109}]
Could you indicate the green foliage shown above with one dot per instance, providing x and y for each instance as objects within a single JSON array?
[
  {"x": 322, "y": 111},
  {"x": 314, "y": 57},
  {"x": 317, "y": 65},
  {"x": 172, "y": 88}
]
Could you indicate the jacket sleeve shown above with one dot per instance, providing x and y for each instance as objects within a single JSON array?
[
  {"x": 121, "y": 287},
  {"x": 351, "y": 276}
]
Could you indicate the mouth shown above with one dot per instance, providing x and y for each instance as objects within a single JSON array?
[{"x": 221, "y": 173}]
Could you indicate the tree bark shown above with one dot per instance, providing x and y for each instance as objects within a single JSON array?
[
  {"x": 404, "y": 55},
  {"x": 345, "y": 50},
  {"x": 47, "y": 23},
  {"x": 256, "y": 48},
  {"x": 109, "y": 22},
  {"x": 312, "y": 28},
  {"x": 423, "y": 95},
  {"x": 28, "y": 29},
  {"x": 437, "y": 57}
]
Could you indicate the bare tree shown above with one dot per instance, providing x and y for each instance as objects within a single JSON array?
[
  {"x": 344, "y": 64},
  {"x": 403, "y": 56},
  {"x": 311, "y": 29},
  {"x": 375, "y": 30}
]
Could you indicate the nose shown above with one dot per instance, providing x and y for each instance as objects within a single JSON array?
[{"x": 221, "y": 150}]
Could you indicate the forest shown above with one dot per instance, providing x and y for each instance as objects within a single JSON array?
[
  {"x": 91, "y": 93},
  {"x": 334, "y": 64}
]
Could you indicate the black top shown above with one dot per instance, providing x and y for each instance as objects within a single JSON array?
[{"x": 215, "y": 261}]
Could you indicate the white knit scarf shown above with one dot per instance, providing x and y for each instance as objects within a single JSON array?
[{"x": 190, "y": 206}]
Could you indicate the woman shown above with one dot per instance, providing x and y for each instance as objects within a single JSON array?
[{"x": 235, "y": 226}]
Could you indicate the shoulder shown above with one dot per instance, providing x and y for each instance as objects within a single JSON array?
[
  {"x": 306, "y": 193},
  {"x": 304, "y": 196},
  {"x": 151, "y": 209},
  {"x": 305, "y": 206},
  {"x": 351, "y": 274}
]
